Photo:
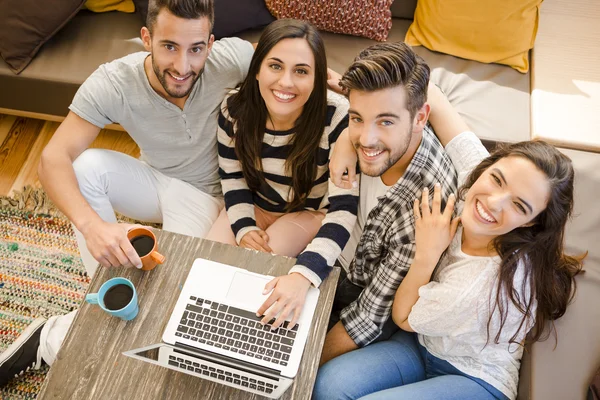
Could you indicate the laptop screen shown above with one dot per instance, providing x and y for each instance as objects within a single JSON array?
[{"x": 214, "y": 369}]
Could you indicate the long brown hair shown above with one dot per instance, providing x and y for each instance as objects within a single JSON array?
[
  {"x": 248, "y": 111},
  {"x": 549, "y": 273}
]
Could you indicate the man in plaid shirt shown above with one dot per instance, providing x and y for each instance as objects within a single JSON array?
[{"x": 399, "y": 155}]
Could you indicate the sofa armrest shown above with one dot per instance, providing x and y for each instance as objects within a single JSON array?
[
  {"x": 565, "y": 95},
  {"x": 565, "y": 371}
]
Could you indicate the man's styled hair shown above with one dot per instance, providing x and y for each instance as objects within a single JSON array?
[
  {"x": 188, "y": 9},
  {"x": 388, "y": 65}
]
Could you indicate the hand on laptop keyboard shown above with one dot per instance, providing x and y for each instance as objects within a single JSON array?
[{"x": 288, "y": 294}]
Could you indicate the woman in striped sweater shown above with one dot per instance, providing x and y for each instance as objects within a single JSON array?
[{"x": 276, "y": 133}]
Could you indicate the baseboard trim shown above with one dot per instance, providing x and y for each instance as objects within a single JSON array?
[{"x": 48, "y": 117}]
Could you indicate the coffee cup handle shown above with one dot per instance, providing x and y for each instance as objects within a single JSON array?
[
  {"x": 92, "y": 298},
  {"x": 156, "y": 256}
]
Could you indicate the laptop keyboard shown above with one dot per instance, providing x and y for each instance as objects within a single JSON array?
[
  {"x": 236, "y": 330},
  {"x": 222, "y": 374}
]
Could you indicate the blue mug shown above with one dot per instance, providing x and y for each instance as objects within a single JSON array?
[{"x": 128, "y": 311}]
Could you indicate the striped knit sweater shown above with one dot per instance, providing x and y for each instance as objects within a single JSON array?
[{"x": 316, "y": 260}]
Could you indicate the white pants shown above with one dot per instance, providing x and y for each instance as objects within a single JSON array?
[{"x": 112, "y": 181}]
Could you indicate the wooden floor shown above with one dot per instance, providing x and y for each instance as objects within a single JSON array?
[{"x": 22, "y": 141}]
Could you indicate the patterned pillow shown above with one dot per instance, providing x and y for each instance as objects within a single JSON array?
[{"x": 369, "y": 18}]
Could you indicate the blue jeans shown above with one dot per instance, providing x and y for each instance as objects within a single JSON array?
[{"x": 398, "y": 369}]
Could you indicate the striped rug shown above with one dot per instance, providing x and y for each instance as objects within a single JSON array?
[{"x": 41, "y": 274}]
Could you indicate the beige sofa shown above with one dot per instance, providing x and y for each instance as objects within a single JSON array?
[{"x": 499, "y": 104}]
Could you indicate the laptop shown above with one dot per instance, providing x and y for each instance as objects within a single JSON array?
[{"x": 213, "y": 332}]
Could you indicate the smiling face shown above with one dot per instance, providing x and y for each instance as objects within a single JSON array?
[
  {"x": 286, "y": 80},
  {"x": 179, "y": 48},
  {"x": 508, "y": 195},
  {"x": 381, "y": 128}
]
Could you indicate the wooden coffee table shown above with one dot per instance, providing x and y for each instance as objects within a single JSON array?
[{"x": 90, "y": 364}]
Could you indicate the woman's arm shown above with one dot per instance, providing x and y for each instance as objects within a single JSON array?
[
  {"x": 315, "y": 262},
  {"x": 419, "y": 274},
  {"x": 434, "y": 229},
  {"x": 343, "y": 160},
  {"x": 464, "y": 148},
  {"x": 444, "y": 119},
  {"x": 238, "y": 197}
]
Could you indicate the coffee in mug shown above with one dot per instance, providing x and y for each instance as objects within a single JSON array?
[
  {"x": 142, "y": 244},
  {"x": 118, "y": 296}
]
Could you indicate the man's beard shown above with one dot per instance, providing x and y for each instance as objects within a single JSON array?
[
  {"x": 391, "y": 161},
  {"x": 161, "y": 75}
]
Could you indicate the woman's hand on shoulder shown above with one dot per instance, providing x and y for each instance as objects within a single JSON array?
[
  {"x": 333, "y": 81},
  {"x": 343, "y": 159},
  {"x": 434, "y": 227}
]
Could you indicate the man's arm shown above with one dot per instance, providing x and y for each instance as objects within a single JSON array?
[
  {"x": 57, "y": 176},
  {"x": 337, "y": 342},
  {"x": 363, "y": 319},
  {"x": 444, "y": 119},
  {"x": 56, "y": 172}
]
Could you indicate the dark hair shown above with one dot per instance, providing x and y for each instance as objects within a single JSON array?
[
  {"x": 388, "y": 65},
  {"x": 549, "y": 273},
  {"x": 249, "y": 114},
  {"x": 188, "y": 9}
]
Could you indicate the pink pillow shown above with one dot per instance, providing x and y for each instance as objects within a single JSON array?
[{"x": 369, "y": 18}]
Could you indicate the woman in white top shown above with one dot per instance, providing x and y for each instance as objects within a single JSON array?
[{"x": 500, "y": 276}]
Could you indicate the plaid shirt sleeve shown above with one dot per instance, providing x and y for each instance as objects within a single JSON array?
[{"x": 364, "y": 318}]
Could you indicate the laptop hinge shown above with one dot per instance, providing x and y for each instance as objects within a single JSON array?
[{"x": 226, "y": 360}]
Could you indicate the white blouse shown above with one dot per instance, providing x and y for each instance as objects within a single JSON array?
[{"x": 452, "y": 313}]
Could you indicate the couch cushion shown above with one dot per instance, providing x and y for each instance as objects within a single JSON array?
[
  {"x": 566, "y": 372},
  {"x": 566, "y": 74},
  {"x": 85, "y": 43},
  {"x": 233, "y": 16},
  {"x": 49, "y": 83},
  {"x": 404, "y": 9},
  {"x": 493, "y": 99},
  {"x": 141, "y": 9}
]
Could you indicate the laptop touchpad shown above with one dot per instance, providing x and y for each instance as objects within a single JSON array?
[{"x": 247, "y": 289}]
